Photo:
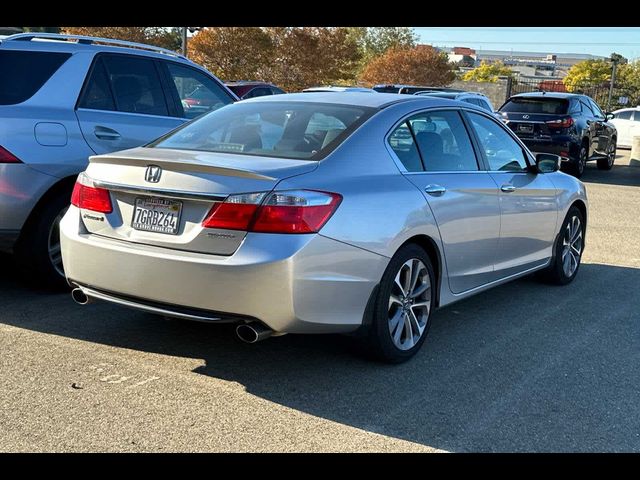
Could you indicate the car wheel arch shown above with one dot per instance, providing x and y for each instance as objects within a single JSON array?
[
  {"x": 61, "y": 187},
  {"x": 431, "y": 248},
  {"x": 429, "y": 245}
]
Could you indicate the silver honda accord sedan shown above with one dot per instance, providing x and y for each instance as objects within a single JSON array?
[{"x": 322, "y": 213}]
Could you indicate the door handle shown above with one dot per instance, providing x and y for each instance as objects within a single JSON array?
[
  {"x": 104, "y": 133},
  {"x": 508, "y": 188},
  {"x": 435, "y": 190}
]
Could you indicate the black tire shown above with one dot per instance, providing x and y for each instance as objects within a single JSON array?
[
  {"x": 576, "y": 168},
  {"x": 32, "y": 250},
  {"x": 556, "y": 273},
  {"x": 607, "y": 163},
  {"x": 379, "y": 341}
]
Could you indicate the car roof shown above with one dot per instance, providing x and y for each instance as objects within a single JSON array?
[
  {"x": 548, "y": 94},
  {"x": 338, "y": 88},
  {"x": 363, "y": 99},
  {"x": 53, "y": 42}
]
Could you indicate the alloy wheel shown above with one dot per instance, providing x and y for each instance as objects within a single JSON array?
[
  {"x": 582, "y": 160},
  {"x": 571, "y": 246},
  {"x": 611, "y": 156},
  {"x": 53, "y": 244},
  {"x": 409, "y": 304}
]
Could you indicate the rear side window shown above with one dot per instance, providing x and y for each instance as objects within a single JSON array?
[
  {"x": 626, "y": 115},
  {"x": 23, "y": 73},
  {"x": 443, "y": 142},
  {"x": 97, "y": 94},
  {"x": 135, "y": 84},
  {"x": 402, "y": 143},
  {"x": 553, "y": 106}
]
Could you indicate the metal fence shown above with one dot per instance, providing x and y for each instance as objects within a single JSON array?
[{"x": 621, "y": 96}]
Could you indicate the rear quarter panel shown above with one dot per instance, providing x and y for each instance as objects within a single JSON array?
[{"x": 380, "y": 209}]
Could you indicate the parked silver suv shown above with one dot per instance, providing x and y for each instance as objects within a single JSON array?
[{"x": 66, "y": 97}]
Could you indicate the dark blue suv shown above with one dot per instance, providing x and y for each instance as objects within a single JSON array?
[{"x": 569, "y": 125}]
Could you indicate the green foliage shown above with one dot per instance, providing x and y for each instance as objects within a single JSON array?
[
  {"x": 588, "y": 72},
  {"x": 487, "y": 72},
  {"x": 373, "y": 42}
]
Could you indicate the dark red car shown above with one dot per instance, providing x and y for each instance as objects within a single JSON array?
[{"x": 246, "y": 89}]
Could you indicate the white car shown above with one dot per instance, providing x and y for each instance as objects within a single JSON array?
[{"x": 627, "y": 123}]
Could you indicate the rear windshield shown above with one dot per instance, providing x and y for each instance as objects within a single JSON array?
[
  {"x": 299, "y": 130},
  {"x": 386, "y": 89},
  {"x": 556, "y": 106},
  {"x": 23, "y": 73}
]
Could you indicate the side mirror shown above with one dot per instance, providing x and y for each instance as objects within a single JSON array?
[
  {"x": 547, "y": 162},
  {"x": 609, "y": 115}
]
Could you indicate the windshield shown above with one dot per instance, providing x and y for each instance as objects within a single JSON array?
[
  {"x": 555, "y": 106},
  {"x": 299, "y": 130}
]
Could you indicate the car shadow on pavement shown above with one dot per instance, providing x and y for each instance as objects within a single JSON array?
[
  {"x": 619, "y": 175},
  {"x": 524, "y": 367}
]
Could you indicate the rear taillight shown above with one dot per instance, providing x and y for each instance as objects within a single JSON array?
[
  {"x": 235, "y": 213},
  {"x": 294, "y": 211},
  {"x": 88, "y": 197},
  {"x": 560, "y": 122},
  {"x": 7, "y": 157}
]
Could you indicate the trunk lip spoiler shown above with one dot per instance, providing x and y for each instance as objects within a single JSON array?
[{"x": 162, "y": 192}]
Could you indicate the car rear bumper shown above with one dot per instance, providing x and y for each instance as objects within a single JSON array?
[
  {"x": 562, "y": 147},
  {"x": 291, "y": 283}
]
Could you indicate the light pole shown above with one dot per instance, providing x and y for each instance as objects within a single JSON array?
[
  {"x": 183, "y": 31},
  {"x": 615, "y": 59},
  {"x": 184, "y": 41}
]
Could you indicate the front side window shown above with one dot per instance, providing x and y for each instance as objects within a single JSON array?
[
  {"x": 586, "y": 109},
  {"x": 135, "y": 84},
  {"x": 23, "y": 73},
  {"x": 502, "y": 152},
  {"x": 443, "y": 142},
  {"x": 624, "y": 115},
  {"x": 297, "y": 130},
  {"x": 198, "y": 93},
  {"x": 596, "y": 109}
]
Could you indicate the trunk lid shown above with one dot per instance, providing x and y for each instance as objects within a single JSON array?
[{"x": 182, "y": 186}]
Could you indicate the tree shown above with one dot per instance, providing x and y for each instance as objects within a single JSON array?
[
  {"x": 291, "y": 57},
  {"x": 233, "y": 53},
  {"x": 487, "y": 72},
  {"x": 588, "y": 72},
  {"x": 374, "y": 41},
  {"x": 421, "y": 65},
  {"x": 158, "y": 36}
]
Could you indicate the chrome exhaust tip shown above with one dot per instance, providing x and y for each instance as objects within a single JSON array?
[
  {"x": 79, "y": 296},
  {"x": 253, "y": 332}
]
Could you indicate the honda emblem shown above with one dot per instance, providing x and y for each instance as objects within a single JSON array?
[{"x": 153, "y": 174}]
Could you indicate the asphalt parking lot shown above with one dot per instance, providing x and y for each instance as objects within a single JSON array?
[{"x": 525, "y": 367}]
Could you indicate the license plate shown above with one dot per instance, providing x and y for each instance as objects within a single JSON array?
[
  {"x": 157, "y": 215},
  {"x": 524, "y": 128}
]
